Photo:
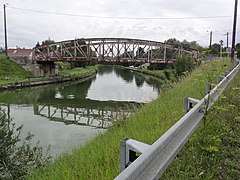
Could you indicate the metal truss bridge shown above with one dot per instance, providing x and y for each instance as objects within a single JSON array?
[{"x": 110, "y": 50}]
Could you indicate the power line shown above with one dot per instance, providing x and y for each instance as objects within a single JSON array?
[{"x": 123, "y": 18}]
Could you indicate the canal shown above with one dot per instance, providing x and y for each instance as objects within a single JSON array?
[{"x": 65, "y": 116}]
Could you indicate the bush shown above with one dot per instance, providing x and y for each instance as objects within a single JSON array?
[
  {"x": 17, "y": 158},
  {"x": 183, "y": 64},
  {"x": 63, "y": 66}
]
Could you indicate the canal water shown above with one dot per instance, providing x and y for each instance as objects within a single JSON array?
[{"x": 66, "y": 116}]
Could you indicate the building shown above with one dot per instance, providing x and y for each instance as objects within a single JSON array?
[{"x": 20, "y": 55}]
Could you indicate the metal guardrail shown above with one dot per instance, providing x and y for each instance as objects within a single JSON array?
[{"x": 155, "y": 158}]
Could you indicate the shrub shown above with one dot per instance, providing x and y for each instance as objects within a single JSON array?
[
  {"x": 17, "y": 158},
  {"x": 183, "y": 64},
  {"x": 63, "y": 65}
]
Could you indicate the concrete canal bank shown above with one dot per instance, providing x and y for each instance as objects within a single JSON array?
[{"x": 50, "y": 80}]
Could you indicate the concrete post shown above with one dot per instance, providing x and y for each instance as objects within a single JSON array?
[
  {"x": 186, "y": 108},
  {"x": 208, "y": 87},
  {"x": 123, "y": 154}
]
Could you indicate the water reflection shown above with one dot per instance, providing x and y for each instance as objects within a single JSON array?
[
  {"x": 95, "y": 102},
  {"x": 123, "y": 85},
  {"x": 78, "y": 111}
]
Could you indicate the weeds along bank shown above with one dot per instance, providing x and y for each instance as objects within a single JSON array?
[
  {"x": 13, "y": 76},
  {"x": 75, "y": 72},
  {"x": 99, "y": 159},
  {"x": 10, "y": 72},
  {"x": 213, "y": 150}
]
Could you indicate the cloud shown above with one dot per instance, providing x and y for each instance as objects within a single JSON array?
[{"x": 25, "y": 28}]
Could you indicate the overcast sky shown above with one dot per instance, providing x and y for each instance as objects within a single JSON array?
[{"x": 26, "y": 26}]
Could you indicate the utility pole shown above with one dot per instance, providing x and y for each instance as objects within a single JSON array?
[
  {"x": 210, "y": 43},
  {"x": 234, "y": 31},
  {"x": 221, "y": 44},
  {"x": 227, "y": 37},
  {"x": 5, "y": 29}
]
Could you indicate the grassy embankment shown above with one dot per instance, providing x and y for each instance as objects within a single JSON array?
[
  {"x": 213, "y": 152},
  {"x": 11, "y": 72},
  {"x": 78, "y": 71},
  {"x": 99, "y": 159},
  {"x": 164, "y": 75}
]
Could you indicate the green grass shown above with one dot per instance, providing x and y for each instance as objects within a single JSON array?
[
  {"x": 78, "y": 71},
  {"x": 213, "y": 152},
  {"x": 10, "y": 72},
  {"x": 99, "y": 158},
  {"x": 167, "y": 74}
]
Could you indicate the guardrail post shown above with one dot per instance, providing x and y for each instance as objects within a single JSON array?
[
  {"x": 226, "y": 73},
  {"x": 208, "y": 87},
  {"x": 123, "y": 154},
  {"x": 128, "y": 151},
  {"x": 188, "y": 104},
  {"x": 127, "y": 156},
  {"x": 219, "y": 79}
]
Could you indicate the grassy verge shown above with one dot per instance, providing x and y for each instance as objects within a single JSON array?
[
  {"x": 10, "y": 72},
  {"x": 167, "y": 74},
  {"x": 78, "y": 71},
  {"x": 213, "y": 152},
  {"x": 99, "y": 159}
]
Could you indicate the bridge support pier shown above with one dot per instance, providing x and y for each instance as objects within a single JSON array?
[{"x": 47, "y": 69}]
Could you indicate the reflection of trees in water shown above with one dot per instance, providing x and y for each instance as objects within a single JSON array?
[
  {"x": 65, "y": 92},
  {"x": 45, "y": 93},
  {"x": 105, "y": 70},
  {"x": 139, "y": 79},
  {"x": 78, "y": 90},
  {"x": 126, "y": 75},
  {"x": 73, "y": 95},
  {"x": 129, "y": 76},
  {"x": 154, "y": 83}
]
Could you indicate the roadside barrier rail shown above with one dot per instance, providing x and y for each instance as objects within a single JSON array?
[{"x": 155, "y": 158}]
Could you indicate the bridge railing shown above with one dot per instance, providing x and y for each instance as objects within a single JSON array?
[{"x": 156, "y": 158}]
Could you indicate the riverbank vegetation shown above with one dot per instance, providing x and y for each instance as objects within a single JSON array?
[
  {"x": 213, "y": 150},
  {"x": 18, "y": 157},
  {"x": 65, "y": 70},
  {"x": 11, "y": 72},
  {"x": 170, "y": 74},
  {"x": 99, "y": 158}
]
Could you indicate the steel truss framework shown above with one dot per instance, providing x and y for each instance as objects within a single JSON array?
[{"x": 110, "y": 50}]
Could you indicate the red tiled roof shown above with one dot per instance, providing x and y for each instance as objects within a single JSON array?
[{"x": 19, "y": 52}]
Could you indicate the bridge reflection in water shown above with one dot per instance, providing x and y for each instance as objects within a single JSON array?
[
  {"x": 68, "y": 115},
  {"x": 70, "y": 104},
  {"x": 100, "y": 118}
]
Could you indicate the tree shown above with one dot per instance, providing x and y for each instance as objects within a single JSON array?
[
  {"x": 2, "y": 52},
  {"x": 215, "y": 49},
  {"x": 185, "y": 44},
  {"x": 237, "y": 48},
  {"x": 173, "y": 41},
  {"x": 37, "y": 45},
  {"x": 195, "y": 45},
  {"x": 16, "y": 159},
  {"x": 47, "y": 42}
]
